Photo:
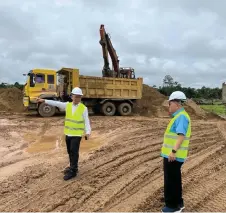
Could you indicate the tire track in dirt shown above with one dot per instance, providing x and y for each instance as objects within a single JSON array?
[
  {"x": 199, "y": 170},
  {"x": 128, "y": 177},
  {"x": 152, "y": 203},
  {"x": 105, "y": 195},
  {"x": 203, "y": 189},
  {"x": 132, "y": 187},
  {"x": 116, "y": 178},
  {"x": 106, "y": 178},
  {"x": 146, "y": 148},
  {"x": 199, "y": 167},
  {"x": 125, "y": 156},
  {"x": 215, "y": 201},
  {"x": 124, "y": 175},
  {"x": 125, "y": 149},
  {"x": 120, "y": 158}
]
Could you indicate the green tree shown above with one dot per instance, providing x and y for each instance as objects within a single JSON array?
[{"x": 168, "y": 81}]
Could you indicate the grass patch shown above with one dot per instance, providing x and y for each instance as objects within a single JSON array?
[{"x": 217, "y": 109}]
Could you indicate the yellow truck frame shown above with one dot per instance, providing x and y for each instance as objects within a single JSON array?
[{"x": 107, "y": 95}]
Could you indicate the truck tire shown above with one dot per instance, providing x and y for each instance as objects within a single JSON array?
[
  {"x": 125, "y": 109},
  {"x": 46, "y": 110},
  {"x": 108, "y": 109}
]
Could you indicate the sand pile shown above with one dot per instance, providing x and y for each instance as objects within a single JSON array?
[
  {"x": 11, "y": 99},
  {"x": 155, "y": 104},
  {"x": 192, "y": 106},
  {"x": 196, "y": 111},
  {"x": 151, "y": 103}
]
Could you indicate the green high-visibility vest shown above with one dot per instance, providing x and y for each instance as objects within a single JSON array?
[
  {"x": 170, "y": 139},
  {"x": 74, "y": 123}
]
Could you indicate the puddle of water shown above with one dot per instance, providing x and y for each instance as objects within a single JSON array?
[
  {"x": 49, "y": 143},
  {"x": 85, "y": 145},
  {"x": 46, "y": 143}
]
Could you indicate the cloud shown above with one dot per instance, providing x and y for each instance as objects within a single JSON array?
[{"x": 185, "y": 39}]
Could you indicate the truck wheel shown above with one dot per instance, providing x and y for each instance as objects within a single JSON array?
[
  {"x": 125, "y": 109},
  {"x": 46, "y": 110},
  {"x": 108, "y": 109}
]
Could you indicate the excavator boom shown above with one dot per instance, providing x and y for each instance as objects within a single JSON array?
[
  {"x": 113, "y": 54},
  {"x": 107, "y": 47},
  {"x": 103, "y": 43}
]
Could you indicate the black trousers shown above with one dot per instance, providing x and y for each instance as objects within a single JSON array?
[
  {"x": 172, "y": 183},
  {"x": 73, "y": 145}
]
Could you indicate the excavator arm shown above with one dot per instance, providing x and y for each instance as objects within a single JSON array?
[
  {"x": 107, "y": 46},
  {"x": 113, "y": 55},
  {"x": 106, "y": 69}
]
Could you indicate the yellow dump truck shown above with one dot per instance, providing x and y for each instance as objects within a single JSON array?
[{"x": 107, "y": 95}]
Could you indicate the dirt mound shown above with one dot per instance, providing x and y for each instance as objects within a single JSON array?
[
  {"x": 11, "y": 99},
  {"x": 155, "y": 104},
  {"x": 151, "y": 103},
  {"x": 197, "y": 112}
]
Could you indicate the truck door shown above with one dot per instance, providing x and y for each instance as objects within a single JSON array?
[{"x": 39, "y": 86}]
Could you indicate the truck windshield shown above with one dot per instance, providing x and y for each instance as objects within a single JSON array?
[
  {"x": 39, "y": 78},
  {"x": 35, "y": 78}
]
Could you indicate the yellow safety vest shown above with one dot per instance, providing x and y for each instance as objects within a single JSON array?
[
  {"x": 170, "y": 140},
  {"x": 74, "y": 123}
]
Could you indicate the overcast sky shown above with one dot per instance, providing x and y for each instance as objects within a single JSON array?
[{"x": 182, "y": 38}]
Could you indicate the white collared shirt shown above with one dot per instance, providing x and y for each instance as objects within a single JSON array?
[{"x": 62, "y": 105}]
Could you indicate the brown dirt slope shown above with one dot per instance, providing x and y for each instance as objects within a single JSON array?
[
  {"x": 126, "y": 174},
  {"x": 11, "y": 99},
  {"x": 154, "y": 104},
  {"x": 151, "y": 102}
]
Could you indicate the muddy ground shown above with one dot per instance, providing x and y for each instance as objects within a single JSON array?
[{"x": 120, "y": 166}]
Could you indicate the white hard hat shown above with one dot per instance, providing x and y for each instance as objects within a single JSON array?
[
  {"x": 76, "y": 91},
  {"x": 177, "y": 95}
]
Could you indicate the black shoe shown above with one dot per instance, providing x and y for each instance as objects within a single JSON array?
[
  {"x": 70, "y": 174},
  {"x": 167, "y": 209},
  {"x": 66, "y": 170}
]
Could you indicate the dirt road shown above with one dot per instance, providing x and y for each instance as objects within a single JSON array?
[{"x": 125, "y": 174}]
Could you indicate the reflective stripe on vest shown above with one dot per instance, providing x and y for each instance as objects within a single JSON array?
[
  {"x": 77, "y": 122},
  {"x": 74, "y": 123},
  {"x": 170, "y": 139}
]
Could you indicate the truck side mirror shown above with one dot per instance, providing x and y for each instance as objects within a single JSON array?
[{"x": 32, "y": 80}]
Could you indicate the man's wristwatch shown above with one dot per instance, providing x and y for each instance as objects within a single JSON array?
[{"x": 174, "y": 151}]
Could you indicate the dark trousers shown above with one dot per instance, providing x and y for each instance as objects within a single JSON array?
[
  {"x": 172, "y": 183},
  {"x": 73, "y": 145}
]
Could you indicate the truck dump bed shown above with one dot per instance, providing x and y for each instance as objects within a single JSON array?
[{"x": 112, "y": 88}]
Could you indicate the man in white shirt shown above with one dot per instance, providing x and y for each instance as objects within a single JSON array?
[{"x": 76, "y": 122}]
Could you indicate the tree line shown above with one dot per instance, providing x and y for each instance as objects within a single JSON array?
[
  {"x": 168, "y": 86},
  {"x": 16, "y": 84}
]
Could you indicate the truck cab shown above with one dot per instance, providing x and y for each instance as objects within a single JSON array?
[
  {"x": 51, "y": 85},
  {"x": 39, "y": 82}
]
